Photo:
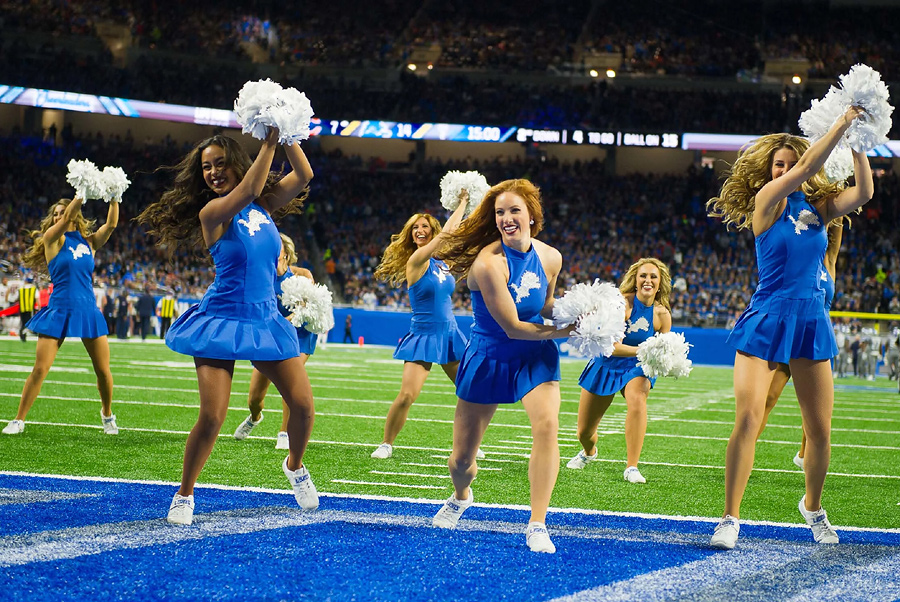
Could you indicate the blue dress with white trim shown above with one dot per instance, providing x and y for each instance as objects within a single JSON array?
[
  {"x": 306, "y": 338},
  {"x": 786, "y": 317},
  {"x": 72, "y": 310},
  {"x": 433, "y": 333},
  {"x": 494, "y": 367},
  {"x": 609, "y": 375},
  {"x": 238, "y": 318}
]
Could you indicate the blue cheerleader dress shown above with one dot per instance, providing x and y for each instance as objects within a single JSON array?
[
  {"x": 238, "y": 318},
  {"x": 494, "y": 367},
  {"x": 72, "y": 310},
  {"x": 306, "y": 338},
  {"x": 433, "y": 333},
  {"x": 786, "y": 317},
  {"x": 609, "y": 375}
]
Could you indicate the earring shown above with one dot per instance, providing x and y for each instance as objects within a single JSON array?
[{"x": 532, "y": 222}]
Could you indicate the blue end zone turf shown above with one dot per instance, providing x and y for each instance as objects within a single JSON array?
[{"x": 98, "y": 540}]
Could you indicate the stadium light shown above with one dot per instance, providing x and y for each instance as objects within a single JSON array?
[
  {"x": 796, "y": 80},
  {"x": 430, "y": 66},
  {"x": 595, "y": 73},
  {"x": 411, "y": 66},
  {"x": 610, "y": 73}
]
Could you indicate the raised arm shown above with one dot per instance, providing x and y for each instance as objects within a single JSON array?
[
  {"x": 53, "y": 236},
  {"x": 770, "y": 195},
  {"x": 835, "y": 235},
  {"x": 857, "y": 195},
  {"x": 418, "y": 261},
  {"x": 217, "y": 213},
  {"x": 102, "y": 234},
  {"x": 293, "y": 183}
]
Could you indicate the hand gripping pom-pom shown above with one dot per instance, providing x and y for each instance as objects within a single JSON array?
[
  {"x": 598, "y": 312},
  {"x": 454, "y": 182},
  {"x": 664, "y": 354},
  {"x": 861, "y": 87},
  {"x": 115, "y": 183},
  {"x": 264, "y": 104},
  {"x": 310, "y": 304},
  {"x": 86, "y": 179}
]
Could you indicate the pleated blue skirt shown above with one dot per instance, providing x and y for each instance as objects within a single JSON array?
[
  {"x": 609, "y": 375},
  {"x": 778, "y": 330},
  {"x": 307, "y": 341},
  {"x": 225, "y": 330},
  {"x": 84, "y": 322},
  {"x": 493, "y": 371},
  {"x": 435, "y": 342}
]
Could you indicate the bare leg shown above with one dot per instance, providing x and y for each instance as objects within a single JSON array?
[
  {"x": 779, "y": 380},
  {"x": 542, "y": 405},
  {"x": 591, "y": 409},
  {"x": 259, "y": 386},
  {"x": 214, "y": 380},
  {"x": 98, "y": 349},
  {"x": 802, "y": 451},
  {"x": 450, "y": 370},
  {"x": 636, "y": 392},
  {"x": 752, "y": 376},
  {"x": 469, "y": 424},
  {"x": 285, "y": 410},
  {"x": 47, "y": 348},
  {"x": 290, "y": 378},
  {"x": 414, "y": 375},
  {"x": 815, "y": 392}
]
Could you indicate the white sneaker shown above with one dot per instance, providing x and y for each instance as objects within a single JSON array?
[
  {"x": 246, "y": 427},
  {"x": 181, "y": 511},
  {"x": 633, "y": 475},
  {"x": 479, "y": 455},
  {"x": 798, "y": 461},
  {"x": 822, "y": 530},
  {"x": 538, "y": 539},
  {"x": 304, "y": 491},
  {"x": 14, "y": 427},
  {"x": 580, "y": 460},
  {"x": 726, "y": 533},
  {"x": 282, "y": 441},
  {"x": 449, "y": 514},
  {"x": 109, "y": 424},
  {"x": 383, "y": 451}
]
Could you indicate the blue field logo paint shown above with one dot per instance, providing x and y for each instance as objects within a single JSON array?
[{"x": 108, "y": 540}]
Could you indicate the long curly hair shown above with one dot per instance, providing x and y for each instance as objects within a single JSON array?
[
  {"x": 175, "y": 218},
  {"x": 392, "y": 268},
  {"x": 290, "y": 252},
  {"x": 35, "y": 257},
  {"x": 629, "y": 281},
  {"x": 480, "y": 229},
  {"x": 753, "y": 170}
]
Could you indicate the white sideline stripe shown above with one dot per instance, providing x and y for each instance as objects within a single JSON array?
[
  {"x": 385, "y": 498},
  {"x": 834, "y": 418},
  {"x": 22, "y": 368},
  {"x": 402, "y": 486},
  {"x": 488, "y": 459},
  {"x": 794, "y": 443},
  {"x": 782, "y": 426},
  {"x": 409, "y": 474},
  {"x": 444, "y": 466}
]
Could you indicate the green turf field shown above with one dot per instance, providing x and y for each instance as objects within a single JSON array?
[{"x": 155, "y": 399}]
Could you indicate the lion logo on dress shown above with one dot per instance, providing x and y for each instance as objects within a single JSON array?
[
  {"x": 528, "y": 282},
  {"x": 804, "y": 220},
  {"x": 255, "y": 220},
  {"x": 638, "y": 325},
  {"x": 80, "y": 251}
]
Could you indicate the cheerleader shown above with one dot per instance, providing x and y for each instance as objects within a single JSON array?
[
  {"x": 222, "y": 201},
  {"x": 646, "y": 288},
  {"x": 509, "y": 356},
  {"x": 433, "y": 337},
  {"x": 64, "y": 246},
  {"x": 777, "y": 187},
  {"x": 259, "y": 384}
]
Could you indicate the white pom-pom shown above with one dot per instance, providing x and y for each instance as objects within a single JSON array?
[
  {"x": 598, "y": 311},
  {"x": 86, "y": 179},
  {"x": 310, "y": 304},
  {"x": 265, "y": 104},
  {"x": 454, "y": 182},
  {"x": 115, "y": 183},
  {"x": 839, "y": 164},
  {"x": 861, "y": 87},
  {"x": 664, "y": 354}
]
